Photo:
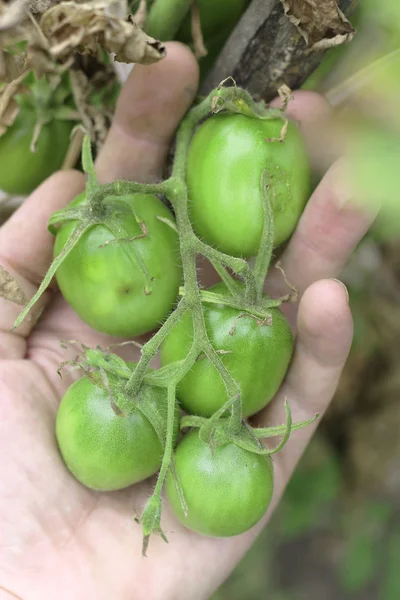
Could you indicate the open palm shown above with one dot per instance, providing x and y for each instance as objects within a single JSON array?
[{"x": 60, "y": 540}]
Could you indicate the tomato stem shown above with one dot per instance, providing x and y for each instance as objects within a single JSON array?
[
  {"x": 264, "y": 255},
  {"x": 268, "y": 432},
  {"x": 230, "y": 283},
  {"x": 150, "y": 349},
  {"x": 72, "y": 241}
]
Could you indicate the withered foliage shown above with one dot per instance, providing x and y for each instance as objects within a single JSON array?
[
  {"x": 69, "y": 27},
  {"x": 47, "y": 37},
  {"x": 321, "y": 22}
]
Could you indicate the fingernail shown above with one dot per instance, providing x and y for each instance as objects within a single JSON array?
[{"x": 343, "y": 286}]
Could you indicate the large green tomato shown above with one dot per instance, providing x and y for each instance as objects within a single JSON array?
[
  {"x": 227, "y": 489},
  {"x": 226, "y": 159},
  {"x": 21, "y": 170},
  {"x": 259, "y": 355},
  {"x": 103, "y": 450},
  {"x": 101, "y": 283}
]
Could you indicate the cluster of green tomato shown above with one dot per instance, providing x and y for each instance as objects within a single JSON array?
[{"x": 122, "y": 277}]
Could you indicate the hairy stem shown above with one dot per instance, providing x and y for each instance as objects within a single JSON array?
[
  {"x": 230, "y": 283},
  {"x": 264, "y": 255},
  {"x": 150, "y": 349},
  {"x": 72, "y": 241}
]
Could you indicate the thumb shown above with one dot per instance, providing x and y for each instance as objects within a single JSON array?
[{"x": 151, "y": 104}]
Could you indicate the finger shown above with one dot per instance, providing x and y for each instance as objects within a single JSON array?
[
  {"x": 152, "y": 102},
  {"x": 26, "y": 249},
  {"x": 332, "y": 224},
  {"x": 315, "y": 118},
  {"x": 325, "y": 331}
]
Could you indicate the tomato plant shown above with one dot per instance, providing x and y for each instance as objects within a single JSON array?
[
  {"x": 226, "y": 159},
  {"x": 227, "y": 489},
  {"x": 256, "y": 354},
  {"x": 119, "y": 258},
  {"x": 105, "y": 286},
  {"x": 23, "y": 170},
  {"x": 102, "y": 448}
]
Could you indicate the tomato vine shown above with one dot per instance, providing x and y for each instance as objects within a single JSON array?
[{"x": 252, "y": 301}]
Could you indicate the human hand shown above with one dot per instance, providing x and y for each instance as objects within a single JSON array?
[{"x": 61, "y": 540}]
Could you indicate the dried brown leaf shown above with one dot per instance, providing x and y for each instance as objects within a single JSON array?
[
  {"x": 8, "y": 107},
  {"x": 321, "y": 22},
  {"x": 95, "y": 119},
  {"x": 11, "y": 66},
  {"x": 10, "y": 289},
  {"x": 71, "y": 27}
]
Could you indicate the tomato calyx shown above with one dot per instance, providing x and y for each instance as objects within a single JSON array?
[
  {"x": 41, "y": 101},
  {"x": 246, "y": 437}
]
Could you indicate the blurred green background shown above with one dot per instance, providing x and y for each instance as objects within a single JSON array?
[{"x": 336, "y": 535}]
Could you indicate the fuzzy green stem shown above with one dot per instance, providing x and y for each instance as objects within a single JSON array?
[
  {"x": 72, "y": 241},
  {"x": 269, "y": 432},
  {"x": 264, "y": 255},
  {"x": 92, "y": 184},
  {"x": 192, "y": 421},
  {"x": 185, "y": 367},
  {"x": 178, "y": 197},
  {"x": 288, "y": 429},
  {"x": 213, "y": 298},
  {"x": 237, "y": 265},
  {"x": 165, "y": 18},
  {"x": 122, "y": 188},
  {"x": 230, "y": 283},
  {"x": 64, "y": 215},
  {"x": 171, "y": 390},
  {"x": 207, "y": 428},
  {"x": 150, "y": 349}
]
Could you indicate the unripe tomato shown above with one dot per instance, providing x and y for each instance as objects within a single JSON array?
[
  {"x": 258, "y": 358},
  {"x": 215, "y": 17},
  {"x": 103, "y": 450},
  {"x": 105, "y": 288},
  {"x": 227, "y": 156},
  {"x": 227, "y": 488},
  {"x": 21, "y": 170},
  {"x": 217, "y": 20}
]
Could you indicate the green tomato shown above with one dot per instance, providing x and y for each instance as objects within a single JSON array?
[
  {"x": 21, "y": 170},
  {"x": 226, "y": 159},
  {"x": 214, "y": 18},
  {"x": 259, "y": 355},
  {"x": 105, "y": 287},
  {"x": 103, "y": 450},
  {"x": 227, "y": 489},
  {"x": 217, "y": 22}
]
